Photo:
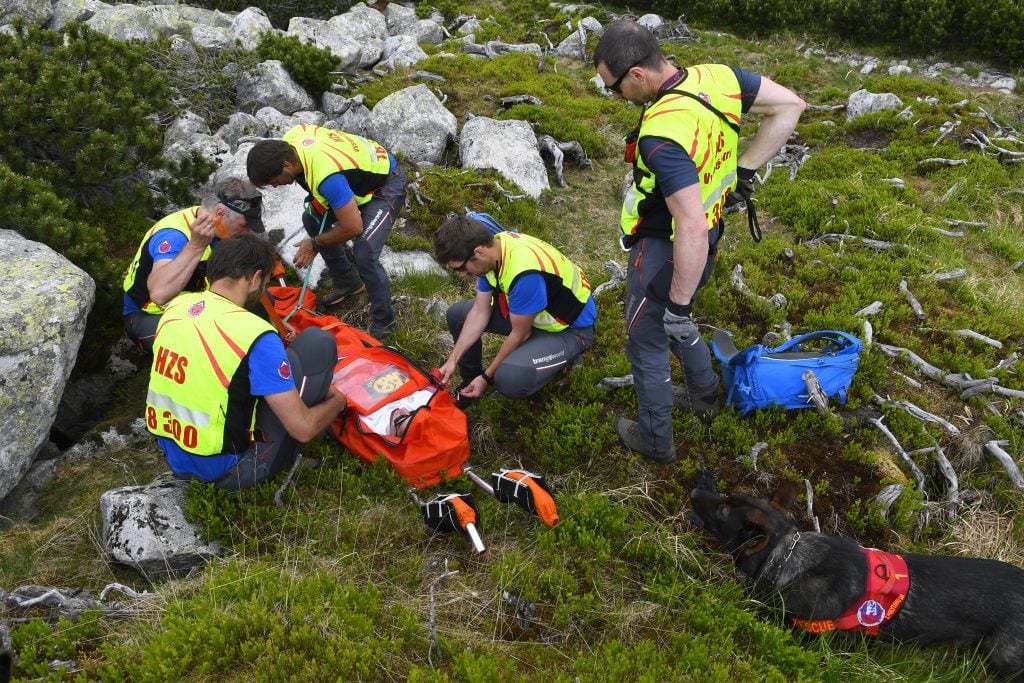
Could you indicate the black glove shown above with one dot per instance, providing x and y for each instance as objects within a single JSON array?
[{"x": 744, "y": 187}]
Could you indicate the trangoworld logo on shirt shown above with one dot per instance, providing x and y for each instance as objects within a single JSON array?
[
  {"x": 196, "y": 309},
  {"x": 284, "y": 370},
  {"x": 164, "y": 247}
]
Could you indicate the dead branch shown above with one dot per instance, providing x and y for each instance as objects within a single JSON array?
[
  {"x": 1007, "y": 362},
  {"x": 919, "y": 413},
  {"x": 955, "y": 380},
  {"x": 951, "y": 275},
  {"x": 966, "y": 224},
  {"x": 918, "y": 475},
  {"x": 869, "y": 333},
  {"x": 949, "y": 473},
  {"x": 837, "y": 237},
  {"x": 909, "y": 380},
  {"x": 279, "y": 495},
  {"x": 896, "y": 182},
  {"x": 756, "y": 451},
  {"x": 510, "y": 197},
  {"x": 873, "y": 308},
  {"x": 1016, "y": 266},
  {"x": 914, "y": 303},
  {"x": 995, "y": 448},
  {"x": 616, "y": 382},
  {"x": 791, "y": 157},
  {"x": 558, "y": 150},
  {"x": 942, "y": 162},
  {"x": 949, "y": 193},
  {"x": 948, "y": 233},
  {"x": 776, "y": 300},
  {"x": 887, "y": 496},
  {"x": 513, "y": 100},
  {"x": 815, "y": 393},
  {"x": 618, "y": 274},
  {"x": 427, "y": 76},
  {"x": 435, "y": 645},
  {"x": 825, "y": 107},
  {"x": 810, "y": 505},
  {"x": 971, "y": 334},
  {"x": 944, "y": 130}
]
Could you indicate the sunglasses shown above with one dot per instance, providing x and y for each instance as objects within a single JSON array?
[
  {"x": 251, "y": 207},
  {"x": 461, "y": 268},
  {"x": 398, "y": 423},
  {"x": 616, "y": 87}
]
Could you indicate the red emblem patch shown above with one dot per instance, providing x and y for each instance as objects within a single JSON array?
[
  {"x": 196, "y": 309},
  {"x": 164, "y": 247},
  {"x": 284, "y": 370},
  {"x": 306, "y": 142}
]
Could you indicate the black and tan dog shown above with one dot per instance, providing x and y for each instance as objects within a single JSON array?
[{"x": 830, "y": 583}]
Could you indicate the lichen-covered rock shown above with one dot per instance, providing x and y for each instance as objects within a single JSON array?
[
  {"x": 249, "y": 25},
  {"x": 32, "y": 11},
  {"x": 46, "y": 300},
  {"x": 240, "y": 124},
  {"x": 402, "y": 50},
  {"x": 270, "y": 85},
  {"x": 509, "y": 147},
  {"x": 348, "y": 115},
  {"x": 414, "y": 122},
  {"x": 65, "y": 11},
  {"x": 327, "y": 36},
  {"x": 863, "y": 102},
  {"x": 278, "y": 124},
  {"x": 398, "y": 264},
  {"x": 399, "y": 18},
  {"x": 145, "y": 528},
  {"x": 367, "y": 27}
]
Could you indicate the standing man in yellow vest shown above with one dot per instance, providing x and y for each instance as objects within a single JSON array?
[
  {"x": 686, "y": 166},
  {"x": 173, "y": 254},
  {"x": 356, "y": 190},
  {"x": 526, "y": 290},
  {"x": 227, "y": 403}
]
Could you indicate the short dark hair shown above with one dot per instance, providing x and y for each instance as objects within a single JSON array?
[
  {"x": 457, "y": 237},
  {"x": 626, "y": 43},
  {"x": 240, "y": 257},
  {"x": 266, "y": 160}
]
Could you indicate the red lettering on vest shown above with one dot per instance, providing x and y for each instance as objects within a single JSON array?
[
  {"x": 160, "y": 362},
  {"x": 170, "y": 365},
  {"x": 179, "y": 370}
]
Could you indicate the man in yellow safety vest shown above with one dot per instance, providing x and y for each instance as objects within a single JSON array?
[{"x": 686, "y": 169}]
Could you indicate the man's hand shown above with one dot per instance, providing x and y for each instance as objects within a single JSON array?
[
  {"x": 744, "y": 187},
  {"x": 476, "y": 388},
  {"x": 305, "y": 254},
  {"x": 447, "y": 370},
  {"x": 203, "y": 230},
  {"x": 680, "y": 328}
]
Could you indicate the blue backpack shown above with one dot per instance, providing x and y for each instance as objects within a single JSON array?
[
  {"x": 487, "y": 220},
  {"x": 759, "y": 376}
]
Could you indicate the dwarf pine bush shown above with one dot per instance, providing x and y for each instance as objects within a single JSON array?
[{"x": 309, "y": 65}]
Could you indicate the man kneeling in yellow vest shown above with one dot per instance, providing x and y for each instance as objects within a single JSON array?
[{"x": 227, "y": 403}]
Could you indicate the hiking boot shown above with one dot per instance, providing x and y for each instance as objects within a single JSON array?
[
  {"x": 343, "y": 289},
  {"x": 383, "y": 333},
  {"x": 629, "y": 434},
  {"x": 705, "y": 407}
]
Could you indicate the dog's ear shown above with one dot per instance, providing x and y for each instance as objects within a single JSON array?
[
  {"x": 785, "y": 495},
  {"x": 6, "y": 665},
  {"x": 755, "y": 520}
]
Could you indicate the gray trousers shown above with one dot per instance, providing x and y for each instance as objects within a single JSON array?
[
  {"x": 648, "y": 278},
  {"x": 312, "y": 355},
  {"x": 533, "y": 364},
  {"x": 379, "y": 215},
  {"x": 140, "y": 327}
]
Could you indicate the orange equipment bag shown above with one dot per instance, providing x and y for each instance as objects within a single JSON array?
[{"x": 435, "y": 444}]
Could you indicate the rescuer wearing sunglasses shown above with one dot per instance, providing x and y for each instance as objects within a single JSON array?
[{"x": 687, "y": 167}]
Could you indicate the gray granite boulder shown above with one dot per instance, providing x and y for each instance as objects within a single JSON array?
[
  {"x": 46, "y": 302},
  {"x": 239, "y": 125},
  {"x": 36, "y": 12},
  {"x": 65, "y": 11},
  {"x": 399, "y": 18},
  {"x": 270, "y": 85},
  {"x": 278, "y": 124},
  {"x": 414, "y": 122},
  {"x": 509, "y": 147},
  {"x": 401, "y": 51},
  {"x": 249, "y": 25},
  {"x": 367, "y": 27},
  {"x": 863, "y": 102},
  {"x": 325, "y": 35},
  {"x": 349, "y": 115},
  {"x": 144, "y": 527}
]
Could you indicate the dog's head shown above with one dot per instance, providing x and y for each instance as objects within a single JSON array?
[{"x": 748, "y": 527}]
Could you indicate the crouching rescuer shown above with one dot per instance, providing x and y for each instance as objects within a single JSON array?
[
  {"x": 227, "y": 403},
  {"x": 527, "y": 291}
]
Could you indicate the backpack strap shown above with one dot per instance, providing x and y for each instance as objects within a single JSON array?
[{"x": 838, "y": 341}]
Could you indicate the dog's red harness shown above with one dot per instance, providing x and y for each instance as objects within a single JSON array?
[{"x": 887, "y": 586}]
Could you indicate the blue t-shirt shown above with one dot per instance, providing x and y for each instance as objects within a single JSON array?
[
  {"x": 670, "y": 163},
  {"x": 337, "y": 191},
  {"x": 267, "y": 359},
  {"x": 529, "y": 296},
  {"x": 165, "y": 245}
]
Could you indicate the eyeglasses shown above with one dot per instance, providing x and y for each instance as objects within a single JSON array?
[
  {"x": 461, "y": 268},
  {"x": 616, "y": 87}
]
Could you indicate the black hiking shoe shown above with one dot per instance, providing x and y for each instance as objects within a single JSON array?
[
  {"x": 629, "y": 435},
  {"x": 705, "y": 407},
  {"x": 337, "y": 295}
]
